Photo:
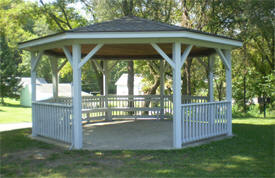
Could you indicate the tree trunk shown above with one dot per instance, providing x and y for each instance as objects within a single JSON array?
[
  {"x": 130, "y": 83},
  {"x": 186, "y": 78},
  {"x": 99, "y": 76},
  {"x": 184, "y": 83},
  {"x": 2, "y": 100},
  {"x": 244, "y": 94},
  {"x": 152, "y": 91},
  {"x": 220, "y": 90},
  {"x": 127, "y": 7},
  {"x": 188, "y": 75}
]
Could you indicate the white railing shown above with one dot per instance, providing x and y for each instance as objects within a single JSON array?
[
  {"x": 52, "y": 120},
  {"x": 96, "y": 107},
  {"x": 204, "y": 120},
  {"x": 89, "y": 102},
  {"x": 193, "y": 99}
]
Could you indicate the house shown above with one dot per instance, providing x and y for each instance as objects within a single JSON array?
[
  {"x": 25, "y": 91},
  {"x": 44, "y": 90},
  {"x": 122, "y": 85}
]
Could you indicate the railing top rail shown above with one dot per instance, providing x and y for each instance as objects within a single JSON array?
[
  {"x": 121, "y": 96},
  {"x": 51, "y": 104},
  {"x": 207, "y": 103},
  {"x": 127, "y": 96}
]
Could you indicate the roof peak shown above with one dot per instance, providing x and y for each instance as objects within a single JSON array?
[{"x": 128, "y": 23}]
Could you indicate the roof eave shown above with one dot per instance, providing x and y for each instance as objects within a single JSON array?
[{"x": 123, "y": 35}]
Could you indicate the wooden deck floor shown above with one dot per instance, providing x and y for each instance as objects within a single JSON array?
[{"x": 130, "y": 135}]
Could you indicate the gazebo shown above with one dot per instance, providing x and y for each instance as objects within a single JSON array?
[{"x": 194, "y": 118}]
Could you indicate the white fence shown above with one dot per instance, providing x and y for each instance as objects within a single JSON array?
[
  {"x": 204, "y": 120},
  {"x": 143, "y": 106},
  {"x": 52, "y": 120},
  {"x": 200, "y": 120}
]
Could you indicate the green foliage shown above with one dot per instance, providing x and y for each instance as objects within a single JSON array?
[
  {"x": 154, "y": 9},
  {"x": 9, "y": 60},
  {"x": 251, "y": 21},
  {"x": 60, "y": 15}
]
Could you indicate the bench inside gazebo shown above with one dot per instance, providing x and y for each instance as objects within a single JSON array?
[{"x": 133, "y": 121}]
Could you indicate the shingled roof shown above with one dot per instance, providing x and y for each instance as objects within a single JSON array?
[
  {"x": 136, "y": 24},
  {"x": 130, "y": 27},
  {"x": 128, "y": 24},
  {"x": 131, "y": 24}
]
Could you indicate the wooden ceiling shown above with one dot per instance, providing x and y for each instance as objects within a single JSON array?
[{"x": 131, "y": 51}]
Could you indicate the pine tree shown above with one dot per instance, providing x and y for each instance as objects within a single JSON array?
[{"x": 9, "y": 73}]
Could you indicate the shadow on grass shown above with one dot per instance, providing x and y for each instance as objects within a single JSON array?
[
  {"x": 242, "y": 115},
  {"x": 14, "y": 105},
  {"x": 249, "y": 153}
]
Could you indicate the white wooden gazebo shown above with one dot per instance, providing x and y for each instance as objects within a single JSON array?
[{"x": 131, "y": 38}]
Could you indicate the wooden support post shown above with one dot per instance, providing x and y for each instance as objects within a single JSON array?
[
  {"x": 54, "y": 76},
  {"x": 227, "y": 54},
  {"x": 34, "y": 62},
  {"x": 212, "y": 116},
  {"x": 211, "y": 61},
  {"x": 105, "y": 78},
  {"x": 33, "y": 76},
  {"x": 162, "y": 72},
  {"x": 106, "y": 88},
  {"x": 33, "y": 83},
  {"x": 77, "y": 116},
  {"x": 176, "y": 64},
  {"x": 177, "y": 126}
]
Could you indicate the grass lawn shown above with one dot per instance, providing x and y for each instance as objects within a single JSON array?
[
  {"x": 12, "y": 112},
  {"x": 249, "y": 153}
]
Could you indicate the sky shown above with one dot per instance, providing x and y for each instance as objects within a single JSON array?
[{"x": 78, "y": 6}]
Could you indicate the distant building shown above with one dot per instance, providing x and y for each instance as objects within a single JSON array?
[
  {"x": 122, "y": 86},
  {"x": 44, "y": 90}
]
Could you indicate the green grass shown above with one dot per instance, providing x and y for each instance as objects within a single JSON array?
[
  {"x": 12, "y": 112},
  {"x": 249, "y": 154}
]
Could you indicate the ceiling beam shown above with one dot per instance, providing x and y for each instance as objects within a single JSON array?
[
  {"x": 223, "y": 58},
  {"x": 90, "y": 54},
  {"x": 162, "y": 53}
]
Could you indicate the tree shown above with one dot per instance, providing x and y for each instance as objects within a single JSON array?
[
  {"x": 9, "y": 75},
  {"x": 158, "y": 10}
]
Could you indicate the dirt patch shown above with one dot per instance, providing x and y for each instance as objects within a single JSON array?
[
  {"x": 115, "y": 163},
  {"x": 30, "y": 154}
]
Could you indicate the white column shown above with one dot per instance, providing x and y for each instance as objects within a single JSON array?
[
  {"x": 227, "y": 54},
  {"x": 211, "y": 61},
  {"x": 77, "y": 125},
  {"x": 106, "y": 88},
  {"x": 162, "y": 72},
  {"x": 33, "y": 83},
  {"x": 211, "y": 90},
  {"x": 177, "y": 140},
  {"x": 54, "y": 76},
  {"x": 105, "y": 78}
]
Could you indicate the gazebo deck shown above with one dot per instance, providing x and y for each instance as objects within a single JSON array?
[
  {"x": 140, "y": 127},
  {"x": 129, "y": 135}
]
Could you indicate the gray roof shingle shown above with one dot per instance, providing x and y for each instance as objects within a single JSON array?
[
  {"x": 128, "y": 24},
  {"x": 131, "y": 24},
  {"x": 136, "y": 24}
]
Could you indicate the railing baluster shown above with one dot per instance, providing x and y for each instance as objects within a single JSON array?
[
  {"x": 53, "y": 120},
  {"x": 203, "y": 120}
]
